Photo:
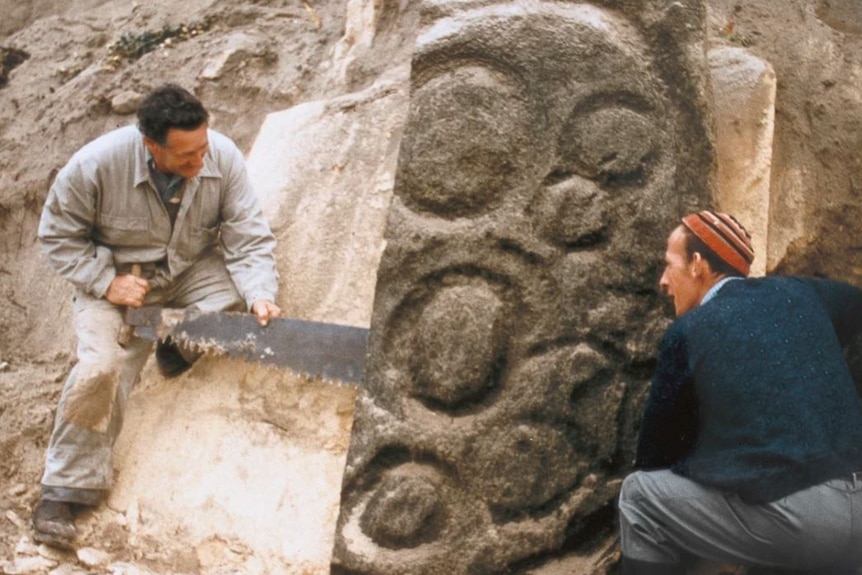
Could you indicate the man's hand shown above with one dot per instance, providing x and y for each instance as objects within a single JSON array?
[
  {"x": 265, "y": 310},
  {"x": 127, "y": 290}
]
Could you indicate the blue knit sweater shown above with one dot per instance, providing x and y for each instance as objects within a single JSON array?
[{"x": 752, "y": 393}]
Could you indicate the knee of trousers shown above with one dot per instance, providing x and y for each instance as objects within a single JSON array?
[
  {"x": 89, "y": 397},
  {"x": 631, "y": 493},
  {"x": 641, "y": 533},
  {"x": 96, "y": 390},
  {"x": 632, "y": 488}
]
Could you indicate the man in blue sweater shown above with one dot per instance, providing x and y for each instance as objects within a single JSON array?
[{"x": 750, "y": 449}]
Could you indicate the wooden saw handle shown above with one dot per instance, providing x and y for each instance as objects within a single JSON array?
[{"x": 126, "y": 331}]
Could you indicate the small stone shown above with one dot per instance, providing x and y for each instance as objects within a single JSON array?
[
  {"x": 65, "y": 569},
  {"x": 133, "y": 517},
  {"x": 18, "y": 490},
  {"x": 26, "y": 547},
  {"x": 125, "y": 102},
  {"x": 91, "y": 557},
  {"x": 15, "y": 520},
  {"x": 240, "y": 48},
  {"x": 126, "y": 569},
  {"x": 24, "y": 565}
]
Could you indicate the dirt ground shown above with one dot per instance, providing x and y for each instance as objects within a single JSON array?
[{"x": 246, "y": 60}]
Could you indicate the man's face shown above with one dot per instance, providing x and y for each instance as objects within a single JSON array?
[
  {"x": 679, "y": 280},
  {"x": 183, "y": 152}
]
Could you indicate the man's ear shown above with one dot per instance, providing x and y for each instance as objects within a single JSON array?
[
  {"x": 150, "y": 144},
  {"x": 699, "y": 266}
]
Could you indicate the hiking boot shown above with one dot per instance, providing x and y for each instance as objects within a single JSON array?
[
  {"x": 53, "y": 524},
  {"x": 169, "y": 358}
]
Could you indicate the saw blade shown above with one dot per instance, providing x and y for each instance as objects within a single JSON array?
[{"x": 330, "y": 351}]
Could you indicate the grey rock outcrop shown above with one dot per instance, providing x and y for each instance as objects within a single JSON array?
[{"x": 549, "y": 149}]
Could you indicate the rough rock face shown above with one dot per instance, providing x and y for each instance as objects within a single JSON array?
[
  {"x": 814, "y": 208},
  {"x": 549, "y": 149}
]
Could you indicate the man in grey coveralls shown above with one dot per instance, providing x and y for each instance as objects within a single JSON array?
[{"x": 174, "y": 197}]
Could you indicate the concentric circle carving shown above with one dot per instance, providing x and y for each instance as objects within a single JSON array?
[
  {"x": 458, "y": 345},
  {"x": 470, "y": 127},
  {"x": 403, "y": 512}
]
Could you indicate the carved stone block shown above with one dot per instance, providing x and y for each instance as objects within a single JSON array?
[{"x": 550, "y": 148}]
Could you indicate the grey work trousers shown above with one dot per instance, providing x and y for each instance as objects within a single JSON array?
[
  {"x": 666, "y": 518},
  {"x": 93, "y": 402}
]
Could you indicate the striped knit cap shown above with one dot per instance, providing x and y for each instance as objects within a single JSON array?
[{"x": 723, "y": 235}]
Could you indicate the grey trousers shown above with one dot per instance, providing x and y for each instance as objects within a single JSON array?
[
  {"x": 93, "y": 402},
  {"x": 665, "y": 518}
]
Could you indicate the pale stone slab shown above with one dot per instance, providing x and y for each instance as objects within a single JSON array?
[
  {"x": 226, "y": 449},
  {"x": 324, "y": 171},
  {"x": 743, "y": 94}
]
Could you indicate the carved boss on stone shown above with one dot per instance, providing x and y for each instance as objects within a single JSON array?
[{"x": 550, "y": 146}]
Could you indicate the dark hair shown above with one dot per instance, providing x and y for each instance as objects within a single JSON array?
[
  {"x": 694, "y": 244},
  {"x": 169, "y": 106}
]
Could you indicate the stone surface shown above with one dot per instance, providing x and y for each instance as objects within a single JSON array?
[
  {"x": 92, "y": 557},
  {"x": 126, "y": 102},
  {"x": 28, "y": 564},
  {"x": 324, "y": 171},
  {"x": 549, "y": 150},
  {"x": 223, "y": 450},
  {"x": 816, "y": 172},
  {"x": 236, "y": 52},
  {"x": 843, "y": 15},
  {"x": 744, "y": 98}
]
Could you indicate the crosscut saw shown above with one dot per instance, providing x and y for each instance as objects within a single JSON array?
[{"x": 330, "y": 351}]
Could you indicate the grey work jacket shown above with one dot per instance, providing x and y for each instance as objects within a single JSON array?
[{"x": 103, "y": 212}]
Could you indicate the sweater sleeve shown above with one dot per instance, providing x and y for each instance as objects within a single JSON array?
[{"x": 669, "y": 424}]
